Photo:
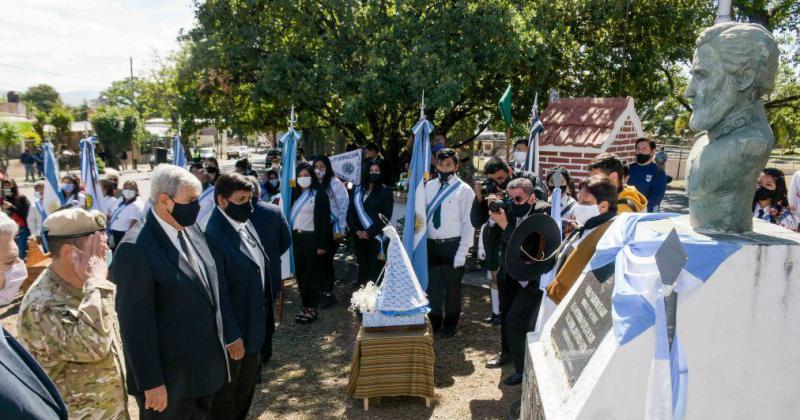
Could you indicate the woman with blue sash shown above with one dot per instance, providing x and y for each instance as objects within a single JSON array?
[
  {"x": 339, "y": 201},
  {"x": 310, "y": 220},
  {"x": 370, "y": 201},
  {"x": 126, "y": 215}
]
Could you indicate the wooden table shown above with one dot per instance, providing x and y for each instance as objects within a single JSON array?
[{"x": 392, "y": 363}]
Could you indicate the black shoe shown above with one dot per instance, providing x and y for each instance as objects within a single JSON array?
[
  {"x": 489, "y": 319},
  {"x": 514, "y": 379},
  {"x": 327, "y": 300},
  {"x": 496, "y": 319},
  {"x": 447, "y": 332},
  {"x": 498, "y": 361}
]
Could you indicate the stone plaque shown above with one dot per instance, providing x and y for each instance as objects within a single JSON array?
[
  {"x": 585, "y": 321},
  {"x": 531, "y": 407}
]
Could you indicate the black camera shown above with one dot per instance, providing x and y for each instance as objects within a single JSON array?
[
  {"x": 503, "y": 203},
  {"x": 489, "y": 187}
]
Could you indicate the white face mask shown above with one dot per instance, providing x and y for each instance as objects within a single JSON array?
[
  {"x": 320, "y": 173},
  {"x": 304, "y": 181},
  {"x": 14, "y": 278},
  {"x": 584, "y": 212},
  {"x": 520, "y": 156},
  {"x": 129, "y": 194}
]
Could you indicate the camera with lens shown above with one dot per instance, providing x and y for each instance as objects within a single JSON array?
[
  {"x": 503, "y": 202},
  {"x": 489, "y": 187}
]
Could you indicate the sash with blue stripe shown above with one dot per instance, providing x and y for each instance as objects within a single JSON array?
[
  {"x": 440, "y": 196},
  {"x": 204, "y": 194},
  {"x": 298, "y": 205},
  {"x": 115, "y": 214},
  {"x": 365, "y": 220}
]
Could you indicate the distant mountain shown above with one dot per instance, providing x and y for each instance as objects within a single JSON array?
[{"x": 77, "y": 97}]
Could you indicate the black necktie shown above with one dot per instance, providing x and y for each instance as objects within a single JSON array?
[
  {"x": 760, "y": 213},
  {"x": 187, "y": 250},
  {"x": 437, "y": 214}
]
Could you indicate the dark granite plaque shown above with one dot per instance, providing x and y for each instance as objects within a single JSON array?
[{"x": 585, "y": 321}]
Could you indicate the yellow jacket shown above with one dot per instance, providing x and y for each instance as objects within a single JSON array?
[{"x": 631, "y": 201}]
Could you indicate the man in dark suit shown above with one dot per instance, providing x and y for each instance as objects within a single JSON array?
[
  {"x": 169, "y": 305},
  {"x": 26, "y": 392},
  {"x": 243, "y": 265},
  {"x": 273, "y": 231}
]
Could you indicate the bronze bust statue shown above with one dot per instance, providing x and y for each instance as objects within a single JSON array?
[{"x": 734, "y": 65}]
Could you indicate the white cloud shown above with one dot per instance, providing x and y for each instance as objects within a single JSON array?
[{"x": 83, "y": 45}]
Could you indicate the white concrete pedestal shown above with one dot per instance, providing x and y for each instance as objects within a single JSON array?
[{"x": 740, "y": 333}]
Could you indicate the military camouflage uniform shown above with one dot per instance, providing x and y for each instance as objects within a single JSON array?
[{"x": 74, "y": 334}]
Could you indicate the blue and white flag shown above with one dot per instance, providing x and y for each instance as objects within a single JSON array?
[
  {"x": 52, "y": 198},
  {"x": 90, "y": 178},
  {"x": 415, "y": 230},
  {"x": 347, "y": 166},
  {"x": 532, "y": 162},
  {"x": 178, "y": 156},
  {"x": 288, "y": 175},
  {"x": 637, "y": 302}
]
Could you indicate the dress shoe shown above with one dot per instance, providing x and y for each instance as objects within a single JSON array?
[
  {"x": 514, "y": 379},
  {"x": 498, "y": 361},
  {"x": 447, "y": 332},
  {"x": 327, "y": 300}
]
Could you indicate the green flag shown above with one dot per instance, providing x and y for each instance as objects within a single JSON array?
[{"x": 505, "y": 105}]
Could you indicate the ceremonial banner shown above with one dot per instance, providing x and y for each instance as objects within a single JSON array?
[
  {"x": 90, "y": 177},
  {"x": 288, "y": 175},
  {"x": 347, "y": 166},
  {"x": 178, "y": 156},
  {"x": 52, "y": 199},
  {"x": 415, "y": 230},
  {"x": 532, "y": 162},
  {"x": 505, "y": 106}
]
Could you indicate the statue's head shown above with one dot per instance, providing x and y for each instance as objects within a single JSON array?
[{"x": 734, "y": 64}]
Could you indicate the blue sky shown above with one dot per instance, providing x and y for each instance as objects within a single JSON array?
[{"x": 83, "y": 45}]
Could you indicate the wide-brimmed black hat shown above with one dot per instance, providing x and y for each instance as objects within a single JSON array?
[{"x": 530, "y": 245}]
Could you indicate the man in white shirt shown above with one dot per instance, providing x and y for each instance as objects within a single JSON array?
[
  {"x": 244, "y": 287},
  {"x": 450, "y": 235}
]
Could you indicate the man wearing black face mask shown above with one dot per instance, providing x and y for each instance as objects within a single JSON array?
[
  {"x": 647, "y": 176},
  {"x": 519, "y": 298},
  {"x": 450, "y": 235},
  {"x": 169, "y": 304},
  {"x": 243, "y": 262}
]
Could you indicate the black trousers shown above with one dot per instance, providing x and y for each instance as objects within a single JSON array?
[
  {"x": 308, "y": 267},
  {"x": 522, "y": 305},
  {"x": 177, "y": 409},
  {"x": 266, "y": 348},
  {"x": 232, "y": 402},
  {"x": 444, "y": 284},
  {"x": 369, "y": 266},
  {"x": 329, "y": 274}
]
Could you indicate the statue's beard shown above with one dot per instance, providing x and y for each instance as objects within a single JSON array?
[{"x": 711, "y": 107}]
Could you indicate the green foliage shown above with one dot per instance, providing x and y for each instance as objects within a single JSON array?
[
  {"x": 39, "y": 121},
  {"x": 116, "y": 130},
  {"x": 61, "y": 119},
  {"x": 42, "y": 97},
  {"x": 9, "y": 137},
  {"x": 81, "y": 112}
]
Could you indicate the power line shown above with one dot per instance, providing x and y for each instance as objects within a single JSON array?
[{"x": 28, "y": 69}]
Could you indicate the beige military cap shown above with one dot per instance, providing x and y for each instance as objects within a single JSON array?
[{"x": 74, "y": 223}]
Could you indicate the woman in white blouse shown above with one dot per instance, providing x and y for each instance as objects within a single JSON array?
[{"x": 127, "y": 213}]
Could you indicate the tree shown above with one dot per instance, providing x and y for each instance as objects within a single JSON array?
[
  {"x": 116, "y": 130},
  {"x": 81, "y": 112},
  {"x": 39, "y": 121},
  {"x": 42, "y": 97},
  {"x": 9, "y": 137},
  {"x": 61, "y": 119}
]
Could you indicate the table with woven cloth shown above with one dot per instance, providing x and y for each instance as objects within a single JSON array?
[{"x": 392, "y": 363}]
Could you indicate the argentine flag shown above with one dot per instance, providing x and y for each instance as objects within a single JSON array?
[
  {"x": 178, "y": 157},
  {"x": 532, "y": 162},
  {"x": 52, "y": 199},
  {"x": 415, "y": 230},
  {"x": 288, "y": 175},
  {"x": 90, "y": 177}
]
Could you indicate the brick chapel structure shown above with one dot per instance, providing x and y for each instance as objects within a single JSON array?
[{"x": 578, "y": 129}]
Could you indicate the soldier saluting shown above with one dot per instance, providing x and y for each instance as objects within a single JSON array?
[{"x": 67, "y": 319}]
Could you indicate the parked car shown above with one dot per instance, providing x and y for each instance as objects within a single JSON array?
[
  {"x": 207, "y": 152},
  {"x": 237, "y": 152},
  {"x": 244, "y": 152}
]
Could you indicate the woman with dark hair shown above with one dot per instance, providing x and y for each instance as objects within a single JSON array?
[
  {"x": 370, "y": 201},
  {"x": 271, "y": 188},
  {"x": 568, "y": 201},
  {"x": 16, "y": 206},
  {"x": 339, "y": 201},
  {"x": 310, "y": 220},
  {"x": 71, "y": 190},
  {"x": 109, "y": 202},
  {"x": 770, "y": 202},
  {"x": 128, "y": 212}
]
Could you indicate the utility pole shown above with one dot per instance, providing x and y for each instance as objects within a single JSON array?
[{"x": 135, "y": 151}]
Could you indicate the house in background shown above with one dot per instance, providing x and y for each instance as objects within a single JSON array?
[{"x": 578, "y": 129}]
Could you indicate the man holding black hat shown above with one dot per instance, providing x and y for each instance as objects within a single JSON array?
[
  {"x": 67, "y": 318},
  {"x": 519, "y": 297},
  {"x": 450, "y": 235}
]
